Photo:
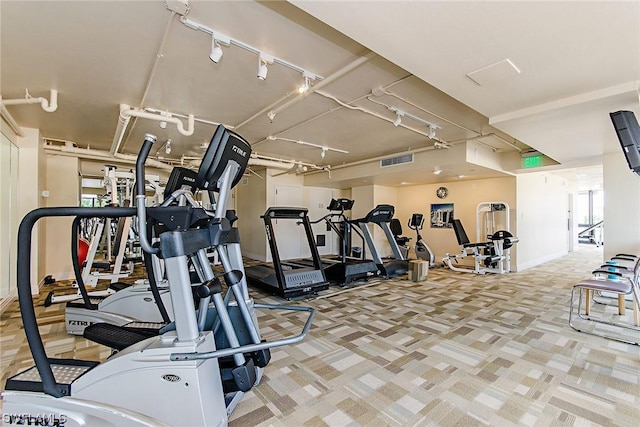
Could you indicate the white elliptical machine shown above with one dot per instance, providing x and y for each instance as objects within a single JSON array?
[{"x": 167, "y": 380}]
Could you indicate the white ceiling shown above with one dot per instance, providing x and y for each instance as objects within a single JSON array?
[{"x": 578, "y": 61}]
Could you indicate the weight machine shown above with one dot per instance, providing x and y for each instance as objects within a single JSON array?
[{"x": 493, "y": 254}]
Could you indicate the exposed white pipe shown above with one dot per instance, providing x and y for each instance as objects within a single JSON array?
[
  {"x": 121, "y": 127},
  {"x": 438, "y": 141},
  {"x": 48, "y": 105},
  {"x": 87, "y": 153},
  {"x": 255, "y": 162},
  {"x": 377, "y": 158},
  {"x": 332, "y": 110},
  {"x": 10, "y": 120},
  {"x": 126, "y": 112},
  {"x": 341, "y": 72},
  {"x": 271, "y": 164}
]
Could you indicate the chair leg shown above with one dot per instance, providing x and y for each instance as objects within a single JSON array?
[
  {"x": 587, "y": 303},
  {"x": 621, "y": 307}
]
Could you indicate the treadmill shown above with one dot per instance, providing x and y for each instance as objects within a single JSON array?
[
  {"x": 344, "y": 270},
  {"x": 288, "y": 280},
  {"x": 382, "y": 216}
]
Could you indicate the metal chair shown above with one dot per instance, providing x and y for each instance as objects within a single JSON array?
[{"x": 620, "y": 283}]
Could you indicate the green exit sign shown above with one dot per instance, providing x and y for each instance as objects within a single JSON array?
[{"x": 532, "y": 161}]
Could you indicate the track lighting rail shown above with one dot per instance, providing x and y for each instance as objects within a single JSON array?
[{"x": 218, "y": 38}]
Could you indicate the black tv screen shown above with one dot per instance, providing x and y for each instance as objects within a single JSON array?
[{"x": 628, "y": 132}]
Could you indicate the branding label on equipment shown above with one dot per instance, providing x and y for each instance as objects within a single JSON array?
[
  {"x": 79, "y": 323},
  {"x": 171, "y": 378},
  {"x": 239, "y": 150}
]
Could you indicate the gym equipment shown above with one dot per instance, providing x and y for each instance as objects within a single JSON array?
[
  {"x": 180, "y": 365},
  {"x": 344, "y": 270},
  {"x": 99, "y": 270},
  {"x": 144, "y": 306},
  {"x": 381, "y": 215},
  {"x": 396, "y": 229},
  {"x": 423, "y": 251},
  {"x": 610, "y": 280},
  {"x": 489, "y": 257},
  {"x": 288, "y": 280}
]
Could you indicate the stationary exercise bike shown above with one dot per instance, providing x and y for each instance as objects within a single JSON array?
[{"x": 423, "y": 251}]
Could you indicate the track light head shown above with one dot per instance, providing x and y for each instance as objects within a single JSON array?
[
  {"x": 304, "y": 87},
  {"x": 323, "y": 154},
  {"x": 263, "y": 60},
  {"x": 262, "y": 71},
  {"x": 216, "y": 52},
  {"x": 437, "y": 171},
  {"x": 397, "y": 121},
  {"x": 432, "y": 131},
  {"x": 167, "y": 147}
]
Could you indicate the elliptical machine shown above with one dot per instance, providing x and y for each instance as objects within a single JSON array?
[
  {"x": 423, "y": 251},
  {"x": 171, "y": 379}
]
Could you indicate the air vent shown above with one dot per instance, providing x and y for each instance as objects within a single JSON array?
[{"x": 395, "y": 161}]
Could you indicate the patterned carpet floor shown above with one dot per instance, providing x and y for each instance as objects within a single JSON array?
[{"x": 454, "y": 350}]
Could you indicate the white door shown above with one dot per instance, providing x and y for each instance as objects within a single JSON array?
[
  {"x": 8, "y": 214},
  {"x": 319, "y": 199},
  {"x": 289, "y": 235},
  {"x": 570, "y": 224}
]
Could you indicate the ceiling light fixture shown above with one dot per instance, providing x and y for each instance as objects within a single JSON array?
[
  {"x": 304, "y": 87},
  {"x": 432, "y": 131},
  {"x": 167, "y": 147},
  {"x": 401, "y": 113},
  {"x": 216, "y": 51},
  {"x": 218, "y": 39},
  {"x": 437, "y": 171},
  {"x": 263, "y": 60},
  {"x": 398, "y": 119}
]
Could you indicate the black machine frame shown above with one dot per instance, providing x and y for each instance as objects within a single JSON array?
[{"x": 297, "y": 280}]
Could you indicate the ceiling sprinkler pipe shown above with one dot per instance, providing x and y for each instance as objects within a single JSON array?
[
  {"x": 163, "y": 118},
  {"x": 47, "y": 105},
  {"x": 126, "y": 112},
  {"x": 86, "y": 153},
  {"x": 10, "y": 120}
]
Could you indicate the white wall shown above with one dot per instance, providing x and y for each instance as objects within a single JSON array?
[
  {"x": 621, "y": 207},
  {"x": 251, "y": 202},
  {"x": 9, "y": 219},
  {"x": 542, "y": 219},
  {"x": 63, "y": 185},
  {"x": 31, "y": 176}
]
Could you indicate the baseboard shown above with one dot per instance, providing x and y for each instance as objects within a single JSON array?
[
  {"x": 541, "y": 260},
  {"x": 253, "y": 256},
  {"x": 6, "y": 301}
]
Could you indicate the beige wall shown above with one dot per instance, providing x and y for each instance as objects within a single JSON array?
[
  {"x": 63, "y": 185},
  {"x": 542, "y": 218},
  {"x": 31, "y": 176},
  {"x": 251, "y": 193},
  {"x": 621, "y": 207},
  {"x": 465, "y": 196}
]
